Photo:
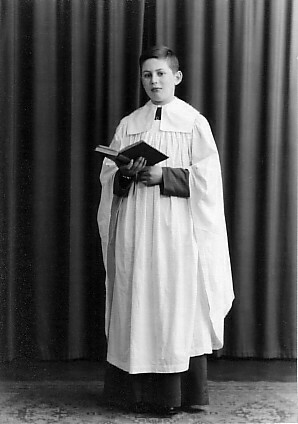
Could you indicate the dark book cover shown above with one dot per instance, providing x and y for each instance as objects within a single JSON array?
[{"x": 138, "y": 149}]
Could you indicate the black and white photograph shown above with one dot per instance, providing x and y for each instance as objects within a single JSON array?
[{"x": 148, "y": 211}]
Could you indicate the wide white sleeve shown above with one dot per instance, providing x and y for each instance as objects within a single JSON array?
[
  {"x": 206, "y": 180},
  {"x": 207, "y": 209},
  {"x": 107, "y": 200}
]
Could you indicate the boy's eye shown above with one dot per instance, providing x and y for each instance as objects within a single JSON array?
[
  {"x": 160, "y": 73},
  {"x": 147, "y": 75}
]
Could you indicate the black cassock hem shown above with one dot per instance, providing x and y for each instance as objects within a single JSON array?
[{"x": 166, "y": 389}]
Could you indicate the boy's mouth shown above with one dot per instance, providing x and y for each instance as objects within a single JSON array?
[{"x": 155, "y": 89}]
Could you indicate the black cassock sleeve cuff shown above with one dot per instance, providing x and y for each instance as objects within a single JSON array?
[
  {"x": 121, "y": 185},
  {"x": 175, "y": 182}
]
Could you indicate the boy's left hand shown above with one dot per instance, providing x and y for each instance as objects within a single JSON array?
[{"x": 150, "y": 175}]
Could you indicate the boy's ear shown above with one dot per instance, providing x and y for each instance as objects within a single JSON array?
[{"x": 178, "y": 77}]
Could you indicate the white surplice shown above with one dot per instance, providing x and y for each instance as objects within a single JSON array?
[{"x": 168, "y": 274}]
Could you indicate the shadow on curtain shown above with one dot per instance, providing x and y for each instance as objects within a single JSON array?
[{"x": 69, "y": 72}]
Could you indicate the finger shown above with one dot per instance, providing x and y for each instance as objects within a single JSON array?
[
  {"x": 142, "y": 178},
  {"x": 127, "y": 167},
  {"x": 130, "y": 165},
  {"x": 144, "y": 162},
  {"x": 138, "y": 161},
  {"x": 135, "y": 166},
  {"x": 141, "y": 165}
]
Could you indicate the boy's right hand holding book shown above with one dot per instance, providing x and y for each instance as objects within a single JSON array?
[{"x": 132, "y": 168}]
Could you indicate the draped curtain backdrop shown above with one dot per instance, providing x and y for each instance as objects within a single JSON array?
[{"x": 69, "y": 72}]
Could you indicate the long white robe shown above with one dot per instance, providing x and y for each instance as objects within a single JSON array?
[{"x": 168, "y": 275}]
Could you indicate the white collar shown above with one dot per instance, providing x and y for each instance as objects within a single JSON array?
[{"x": 177, "y": 116}]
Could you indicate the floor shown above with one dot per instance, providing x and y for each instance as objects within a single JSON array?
[{"x": 83, "y": 370}]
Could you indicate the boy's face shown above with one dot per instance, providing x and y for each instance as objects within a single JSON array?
[{"x": 159, "y": 80}]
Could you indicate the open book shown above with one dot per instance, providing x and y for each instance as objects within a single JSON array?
[{"x": 133, "y": 151}]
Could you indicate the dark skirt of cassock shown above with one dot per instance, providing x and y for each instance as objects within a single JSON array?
[{"x": 167, "y": 389}]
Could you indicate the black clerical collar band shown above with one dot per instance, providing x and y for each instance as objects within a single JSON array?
[{"x": 158, "y": 114}]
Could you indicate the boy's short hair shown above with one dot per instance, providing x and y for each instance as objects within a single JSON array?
[{"x": 160, "y": 52}]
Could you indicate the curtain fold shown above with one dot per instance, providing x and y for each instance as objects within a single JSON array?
[
  {"x": 237, "y": 67},
  {"x": 68, "y": 73}
]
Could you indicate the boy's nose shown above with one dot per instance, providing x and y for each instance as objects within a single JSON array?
[{"x": 154, "y": 79}]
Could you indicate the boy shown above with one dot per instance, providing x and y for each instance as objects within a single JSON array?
[{"x": 168, "y": 282}]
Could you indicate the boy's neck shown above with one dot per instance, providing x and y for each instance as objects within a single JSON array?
[{"x": 163, "y": 104}]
